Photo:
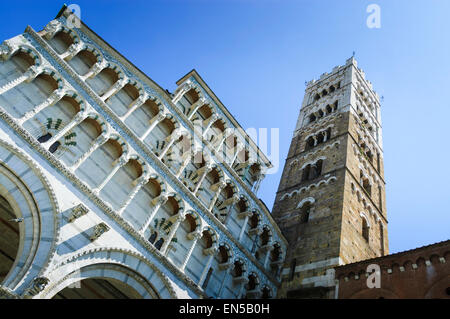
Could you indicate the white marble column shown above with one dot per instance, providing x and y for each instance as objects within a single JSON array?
[
  {"x": 72, "y": 51},
  {"x": 221, "y": 185},
  {"x": 186, "y": 88},
  {"x": 54, "y": 98},
  {"x": 172, "y": 138},
  {"x": 222, "y": 284},
  {"x": 134, "y": 106},
  {"x": 116, "y": 87},
  {"x": 203, "y": 171},
  {"x": 95, "y": 69},
  {"x": 266, "y": 260},
  {"x": 157, "y": 203},
  {"x": 247, "y": 215},
  {"x": 79, "y": 117},
  {"x": 153, "y": 123},
  {"x": 173, "y": 230},
  {"x": 138, "y": 184},
  {"x": 194, "y": 236},
  {"x": 211, "y": 252},
  {"x": 118, "y": 163},
  {"x": 194, "y": 107},
  {"x": 186, "y": 161},
  {"x": 27, "y": 77},
  {"x": 212, "y": 119},
  {"x": 98, "y": 142}
]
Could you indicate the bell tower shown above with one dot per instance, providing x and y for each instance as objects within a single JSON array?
[{"x": 330, "y": 203}]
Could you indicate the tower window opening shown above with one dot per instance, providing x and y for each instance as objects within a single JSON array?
[
  {"x": 309, "y": 143},
  {"x": 304, "y": 213},
  {"x": 365, "y": 229},
  {"x": 365, "y": 183},
  {"x": 312, "y": 118},
  {"x": 306, "y": 172}
]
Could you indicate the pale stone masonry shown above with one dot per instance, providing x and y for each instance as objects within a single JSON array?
[
  {"x": 106, "y": 177},
  {"x": 330, "y": 204}
]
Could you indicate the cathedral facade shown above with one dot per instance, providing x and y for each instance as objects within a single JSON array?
[{"x": 111, "y": 187}]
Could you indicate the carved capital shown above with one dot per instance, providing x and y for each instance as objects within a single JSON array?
[
  {"x": 32, "y": 72},
  {"x": 194, "y": 235}
]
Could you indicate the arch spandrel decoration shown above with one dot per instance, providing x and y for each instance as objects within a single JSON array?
[{"x": 37, "y": 243}]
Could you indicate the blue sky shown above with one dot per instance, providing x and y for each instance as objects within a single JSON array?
[{"x": 257, "y": 54}]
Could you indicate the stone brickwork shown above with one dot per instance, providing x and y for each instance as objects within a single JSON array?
[
  {"x": 421, "y": 273},
  {"x": 330, "y": 204}
]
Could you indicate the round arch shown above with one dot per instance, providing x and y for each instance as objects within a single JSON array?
[
  {"x": 128, "y": 267},
  {"x": 28, "y": 192}
]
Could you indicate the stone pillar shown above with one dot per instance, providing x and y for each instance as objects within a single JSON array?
[
  {"x": 178, "y": 219},
  {"x": 211, "y": 121},
  {"x": 194, "y": 107},
  {"x": 95, "y": 69},
  {"x": 72, "y": 51},
  {"x": 134, "y": 105},
  {"x": 116, "y": 87},
  {"x": 28, "y": 76},
  {"x": 139, "y": 183},
  {"x": 118, "y": 163},
  {"x": 216, "y": 195},
  {"x": 222, "y": 284},
  {"x": 239, "y": 148},
  {"x": 153, "y": 122},
  {"x": 266, "y": 259},
  {"x": 186, "y": 161},
  {"x": 98, "y": 142},
  {"x": 172, "y": 138},
  {"x": 211, "y": 251},
  {"x": 247, "y": 215},
  {"x": 187, "y": 86},
  {"x": 205, "y": 172},
  {"x": 157, "y": 202},
  {"x": 79, "y": 117},
  {"x": 51, "y": 100},
  {"x": 195, "y": 237}
]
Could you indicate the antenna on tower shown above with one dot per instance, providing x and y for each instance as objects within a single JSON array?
[{"x": 353, "y": 55}]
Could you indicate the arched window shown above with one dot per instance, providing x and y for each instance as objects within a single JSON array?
[
  {"x": 304, "y": 213},
  {"x": 159, "y": 243},
  {"x": 381, "y": 239},
  {"x": 153, "y": 237},
  {"x": 309, "y": 143},
  {"x": 365, "y": 183},
  {"x": 365, "y": 229}
]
